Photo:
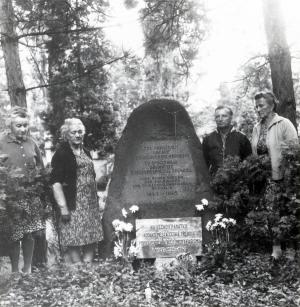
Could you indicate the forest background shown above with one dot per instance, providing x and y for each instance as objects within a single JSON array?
[
  {"x": 74, "y": 58},
  {"x": 65, "y": 58}
]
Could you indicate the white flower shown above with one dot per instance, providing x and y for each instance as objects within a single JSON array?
[
  {"x": 223, "y": 225},
  {"x": 218, "y": 216},
  {"x": 204, "y": 202},
  {"x": 134, "y": 209},
  {"x": 199, "y": 207},
  {"x": 133, "y": 251},
  {"x": 124, "y": 212},
  {"x": 117, "y": 251},
  {"x": 208, "y": 225},
  {"x": 225, "y": 220},
  {"x": 121, "y": 227},
  {"x": 214, "y": 225},
  {"x": 232, "y": 221},
  {"x": 116, "y": 223},
  {"x": 128, "y": 227}
]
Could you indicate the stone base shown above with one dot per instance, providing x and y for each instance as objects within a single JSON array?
[
  {"x": 169, "y": 263},
  {"x": 165, "y": 263}
]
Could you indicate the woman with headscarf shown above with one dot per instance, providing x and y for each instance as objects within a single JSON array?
[
  {"x": 75, "y": 192},
  {"x": 269, "y": 137}
]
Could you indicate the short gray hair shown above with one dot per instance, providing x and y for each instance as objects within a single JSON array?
[
  {"x": 16, "y": 112},
  {"x": 224, "y": 108},
  {"x": 65, "y": 128}
]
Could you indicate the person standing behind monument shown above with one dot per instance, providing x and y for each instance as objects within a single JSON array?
[
  {"x": 270, "y": 135},
  {"x": 75, "y": 192},
  {"x": 224, "y": 141},
  {"x": 28, "y": 224}
]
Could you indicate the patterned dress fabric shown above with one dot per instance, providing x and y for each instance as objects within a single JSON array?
[
  {"x": 85, "y": 226},
  {"x": 30, "y": 220},
  {"x": 25, "y": 156},
  {"x": 262, "y": 148}
]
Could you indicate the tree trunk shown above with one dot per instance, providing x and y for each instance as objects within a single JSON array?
[
  {"x": 280, "y": 60},
  {"x": 9, "y": 43}
]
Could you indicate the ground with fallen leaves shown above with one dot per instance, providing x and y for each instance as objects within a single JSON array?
[{"x": 253, "y": 280}]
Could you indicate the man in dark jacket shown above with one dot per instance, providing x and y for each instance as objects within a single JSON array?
[{"x": 224, "y": 141}]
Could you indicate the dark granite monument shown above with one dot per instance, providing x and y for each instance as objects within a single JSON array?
[{"x": 159, "y": 166}]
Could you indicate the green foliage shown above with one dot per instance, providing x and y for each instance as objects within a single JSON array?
[
  {"x": 77, "y": 53},
  {"x": 2, "y": 120},
  {"x": 80, "y": 60},
  {"x": 251, "y": 281},
  {"x": 4, "y": 99},
  {"x": 246, "y": 116},
  {"x": 127, "y": 87},
  {"x": 80, "y": 84},
  {"x": 264, "y": 210},
  {"x": 255, "y": 76},
  {"x": 173, "y": 31},
  {"x": 177, "y": 25},
  {"x": 296, "y": 81},
  {"x": 129, "y": 4}
]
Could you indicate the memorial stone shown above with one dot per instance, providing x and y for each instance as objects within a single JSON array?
[
  {"x": 166, "y": 238},
  {"x": 159, "y": 166}
]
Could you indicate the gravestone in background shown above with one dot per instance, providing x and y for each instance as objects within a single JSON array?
[{"x": 159, "y": 166}]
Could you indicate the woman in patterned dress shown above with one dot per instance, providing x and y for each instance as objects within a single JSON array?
[
  {"x": 25, "y": 219},
  {"x": 269, "y": 137},
  {"x": 75, "y": 192}
]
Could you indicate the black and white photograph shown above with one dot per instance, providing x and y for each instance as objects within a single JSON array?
[{"x": 149, "y": 153}]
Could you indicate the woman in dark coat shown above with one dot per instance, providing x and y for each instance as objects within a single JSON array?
[{"x": 75, "y": 192}]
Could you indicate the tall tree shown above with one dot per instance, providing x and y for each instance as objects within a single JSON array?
[
  {"x": 280, "y": 59},
  {"x": 9, "y": 44},
  {"x": 173, "y": 31},
  {"x": 77, "y": 53},
  {"x": 78, "y": 57}
]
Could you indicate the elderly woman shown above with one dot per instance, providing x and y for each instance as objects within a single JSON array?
[
  {"x": 74, "y": 187},
  {"x": 269, "y": 136},
  {"x": 23, "y": 153}
]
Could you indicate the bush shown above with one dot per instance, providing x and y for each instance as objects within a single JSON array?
[{"x": 264, "y": 210}]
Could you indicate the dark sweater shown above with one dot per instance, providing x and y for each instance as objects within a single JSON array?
[
  {"x": 236, "y": 144},
  {"x": 64, "y": 171}
]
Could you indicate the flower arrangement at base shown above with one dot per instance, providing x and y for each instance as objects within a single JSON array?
[
  {"x": 124, "y": 244},
  {"x": 220, "y": 230}
]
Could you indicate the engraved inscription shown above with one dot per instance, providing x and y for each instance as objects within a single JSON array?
[
  {"x": 161, "y": 171},
  {"x": 168, "y": 237}
]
